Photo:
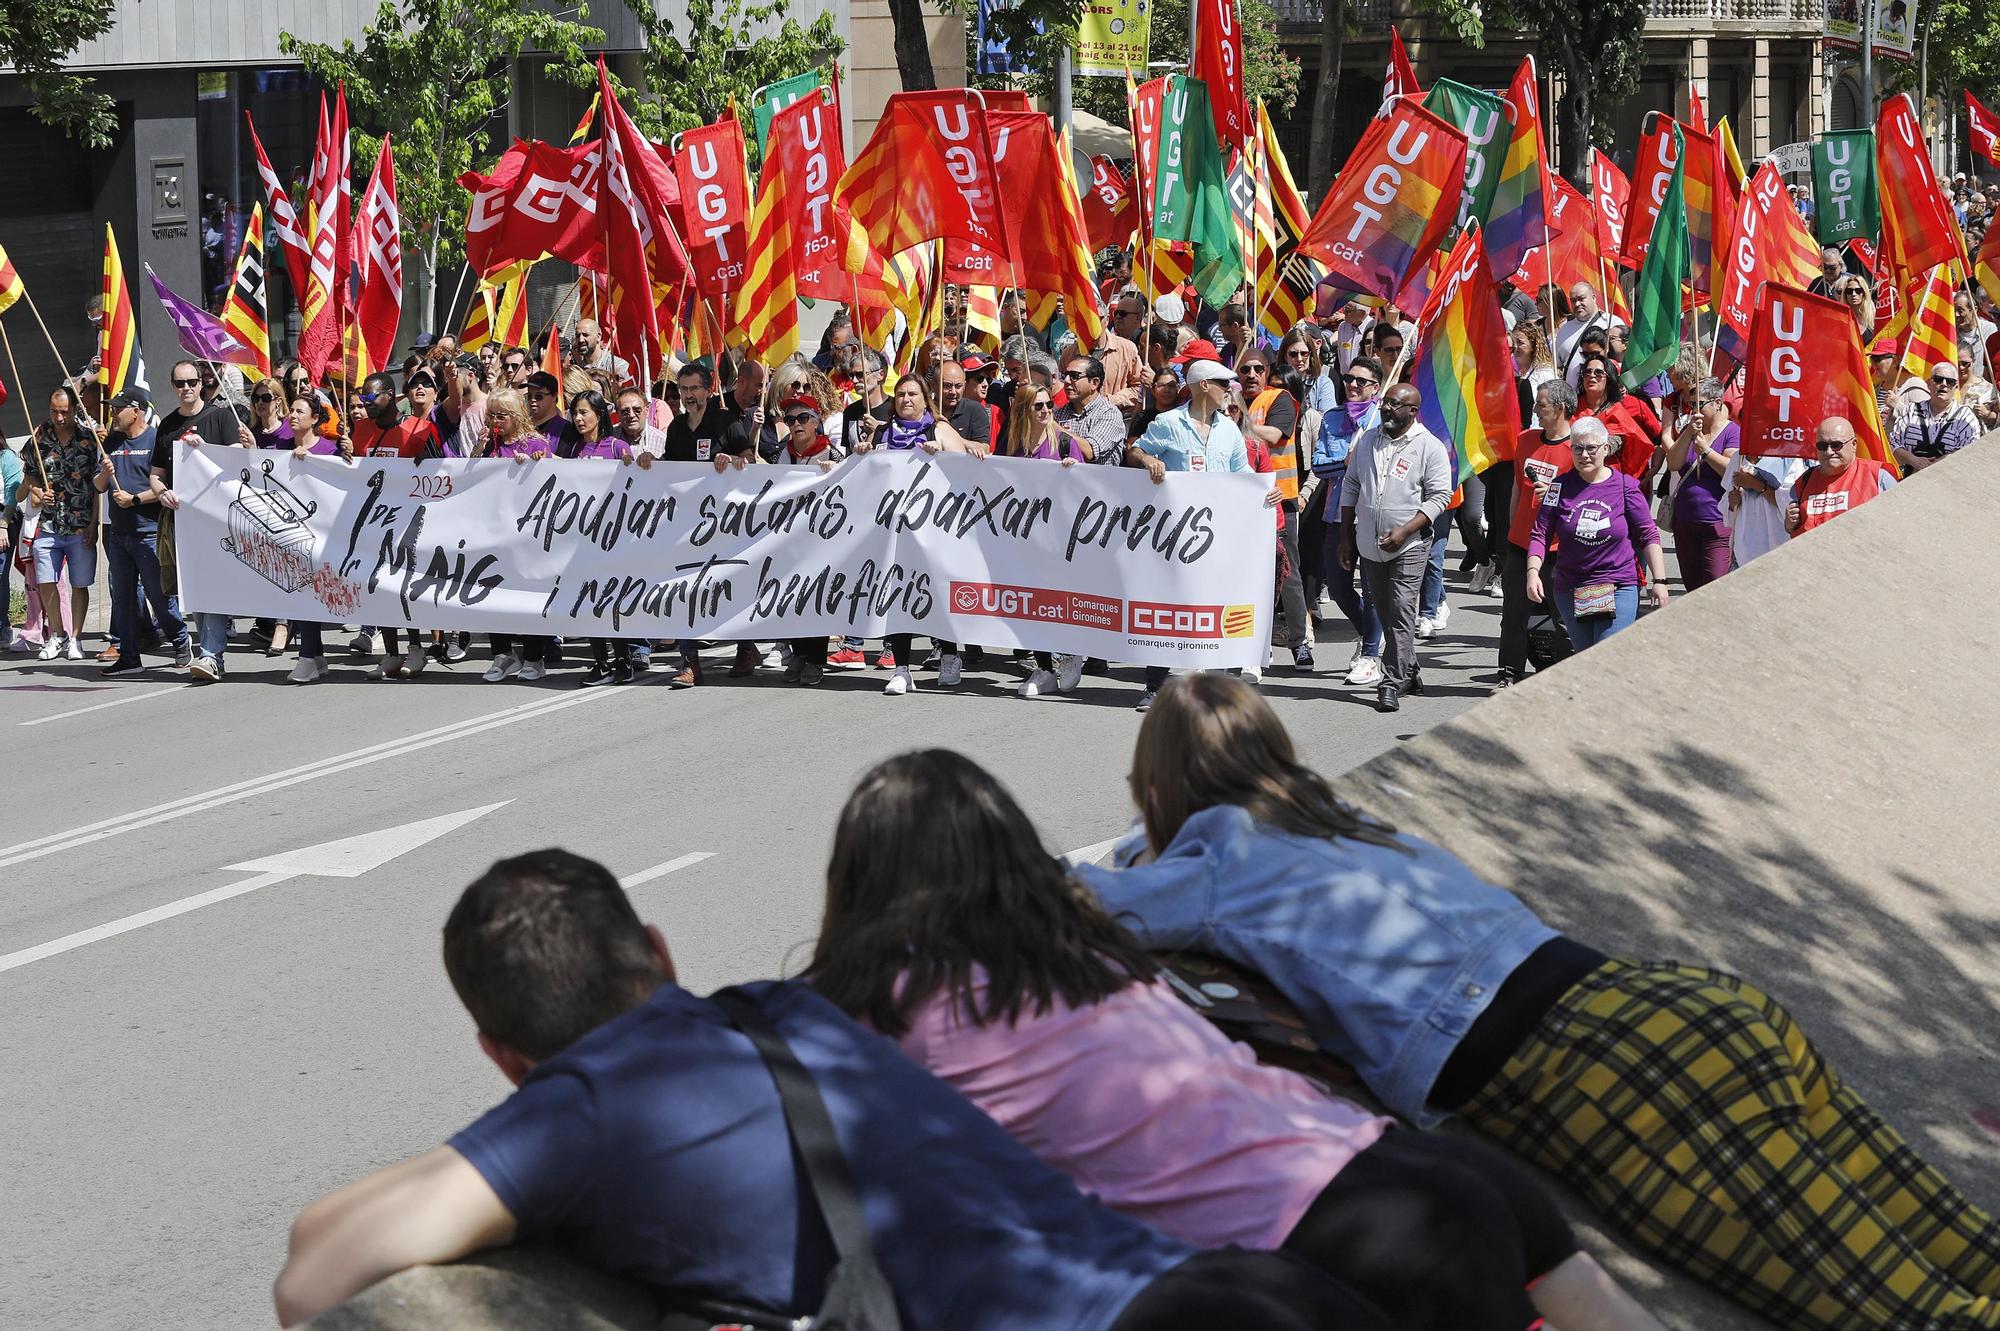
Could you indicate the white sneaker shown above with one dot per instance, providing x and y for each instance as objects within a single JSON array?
[
  {"x": 1367, "y": 670},
  {"x": 951, "y": 670},
  {"x": 206, "y": 669},
  {"x": 413, "y": 662},
  {"x": 1442, "y": 617},
  {"x": 504, "y": 666},
  {"x": 899, "y": 682},
  {"x": 1481, "y": 576},
  {"x": 1069, "y": 672},
  {"x": 50, "y": 650},
  {"x": 1037, "y": 684},
  {"x": 1425, "y": 627},
  {"x": 776, "y": 658},
  {"x": 363, "y": 644},
  {"x": 1252, "y": 676},
  {"x": 532, "y": 671},
  {"x": 72, "y": 649},
  {"x": 305, "y": 672},
  {"x": 183, "y": 653},
  {"x": 1496, "y": 585}
]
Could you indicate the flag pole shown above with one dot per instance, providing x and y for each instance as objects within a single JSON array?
[
  {"x": 451, "y": 321},
  {"x": 1549, "y": 280}
]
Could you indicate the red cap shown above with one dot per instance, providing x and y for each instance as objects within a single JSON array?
[
  {"x": 1883, "y": 346},
  {"x": 975, "y": 362},
  {"x": 801, "y": 400},
  {"x": 1199, "y": 349}
]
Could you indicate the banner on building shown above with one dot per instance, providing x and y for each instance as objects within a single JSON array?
[
  {"x": 1010, "y": 553},
  {"x": 1895, "y": 26},
  {"x": 1111, "y": 37}
]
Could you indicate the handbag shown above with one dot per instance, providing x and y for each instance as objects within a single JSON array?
[
  {"x": 858, "y": 1296},
  {"x": 1594, "y": 600}
]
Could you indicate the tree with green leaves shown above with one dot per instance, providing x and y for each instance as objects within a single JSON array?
[
  {"x": 438, "y": 73},
  {"x": 1269, "y": 75},
  {"x": 1600, "y": 47},
  {"x": 693, "y": 73},
  {"x": 36, "y": 38}
]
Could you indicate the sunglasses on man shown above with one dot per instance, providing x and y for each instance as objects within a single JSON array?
[
  {"x": 187, "y": 383},
  {"x": 1359, "y": 380}
]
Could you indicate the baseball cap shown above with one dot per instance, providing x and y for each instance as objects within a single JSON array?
[
  {"x": 543, "y": 380},
  {"x": 132, "y": 397},
  {"x": 424, "y": 342},
  {"x": 411, "y": 379},
  {"x": 1199, "y": 349},
  {"x": 1170, "y": 308},
  {"x": 1201, "y": 371},
  {"x": 1883, "y": 346},
  {"x": 801, "y": 402},
  {"x": 975, "y": 363}
]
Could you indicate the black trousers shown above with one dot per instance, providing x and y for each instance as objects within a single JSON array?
[
  {"x": 532, "y": 648},
  {"x": 1514, "y": 610},
  {"x": 1441, "y": 1233},
  {"x": 812, "y": 650},
  {"x": 899, "y": 643},
  {"x": 1268, "y": 1291}
]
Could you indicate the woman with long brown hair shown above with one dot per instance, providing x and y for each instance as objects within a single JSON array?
[
  {"x": 1683, "y": 1102},
  {"x": 950, "y": 929}
]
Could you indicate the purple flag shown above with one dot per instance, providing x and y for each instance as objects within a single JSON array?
[{"x": 202, "y": 334}]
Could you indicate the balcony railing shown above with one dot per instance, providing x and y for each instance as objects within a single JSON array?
[{"x": 1369, "y": 15}]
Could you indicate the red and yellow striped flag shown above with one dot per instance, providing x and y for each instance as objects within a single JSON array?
[
  {"x": 118, "y": 336},
  {"x": 477, "y": 328},
  {"x": 244, "y": 314},
  {"x": 12, "y": 288},
  {"x": 982, "y": 318},
  {"x": 1986, "y": 268},
  {"x": 1933, "y": 328},
  {"x": 767, "y": 305}
]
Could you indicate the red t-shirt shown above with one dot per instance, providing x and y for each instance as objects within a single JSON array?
[
  {"x": 1822, "y": 498},
  {"x": 407, "y": 438},
  {"x": 1533, "y": 457}
]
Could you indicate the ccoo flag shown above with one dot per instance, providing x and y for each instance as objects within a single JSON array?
[
  {"x": 1805, "y": 366},
  {"x": 1464, "y": 369},
  {"x": 1519, "y": 218},
  {"x": 1392, "y": 203}
]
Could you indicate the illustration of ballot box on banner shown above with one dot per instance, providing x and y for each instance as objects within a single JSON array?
[{"x": 268, "y": 531}]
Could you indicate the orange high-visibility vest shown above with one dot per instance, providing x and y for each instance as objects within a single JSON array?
[{"x": 1284, "y": 453}]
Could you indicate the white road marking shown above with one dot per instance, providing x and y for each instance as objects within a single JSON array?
[
  {"x": 115, "y": 702},
  {"x": 259, "y": 785},
  {"x": 644, "y": 876},
  {"x": 1092, "y": 853},
  {"x": 348, "y": 857}
]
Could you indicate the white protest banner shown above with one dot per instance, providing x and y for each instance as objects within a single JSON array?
[{"x": 997, "y": 551}]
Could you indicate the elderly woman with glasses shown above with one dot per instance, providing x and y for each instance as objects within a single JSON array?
[
  {"x": 1930, "y": 429},
  {"x": 1602, "y": 524},
  {"x": 1704, "y": 442}
]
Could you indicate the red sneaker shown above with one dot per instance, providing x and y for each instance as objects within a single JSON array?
[
  {"x": 847, "y": 658},
  {"x": 886, "y": 661}
]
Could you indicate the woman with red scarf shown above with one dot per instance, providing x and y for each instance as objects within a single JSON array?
[{"x": 1632, "y": 424}]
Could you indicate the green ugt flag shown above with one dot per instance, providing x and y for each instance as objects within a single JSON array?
[
  {"x": 777, "y": 97},
  {"x": 1844, "y": 203},
  {"x": 1656, "y": 303},
  {"x": 1191, "y": 190},
  {"x": 1482, "y": 118}
]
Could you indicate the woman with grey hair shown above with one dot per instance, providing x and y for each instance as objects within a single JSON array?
[{"x": 1704, "y": 441}]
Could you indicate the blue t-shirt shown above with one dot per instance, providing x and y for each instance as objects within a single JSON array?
[
  {"x": 655, "y": 1147},
  {"x": 131, "y": 465}
]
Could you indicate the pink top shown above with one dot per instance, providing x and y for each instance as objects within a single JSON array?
[{"x": 1144, "y": 1103}]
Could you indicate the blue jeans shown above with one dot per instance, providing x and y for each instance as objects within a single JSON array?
[
  {"x": 1587, "y": 632},
  {"x": 212, "y": 636},
  {"x": 1432, "y": 595},
  {"x": 134, "y": 558},
  {"x": 1344, "y": 585}
]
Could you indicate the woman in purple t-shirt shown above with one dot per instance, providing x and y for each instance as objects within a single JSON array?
[
  {"x": 1703, "y": 444},
  {"x": 1599, "y": 518},
  {"x": 949, "y": 929}
]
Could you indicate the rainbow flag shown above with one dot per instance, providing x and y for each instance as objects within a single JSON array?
[
  {"x": 1698, "y": 181},
  {"x": 1519, "y": 218},
  {"x": 1464, "y": 368},
  {"x": 118, "y": 337}
]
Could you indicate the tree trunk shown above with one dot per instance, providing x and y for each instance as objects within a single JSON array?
[
  {"x": 913, "y": 49},
  {"x": 1573, "y": 111},
  {"x": 1319, "y": 148}
]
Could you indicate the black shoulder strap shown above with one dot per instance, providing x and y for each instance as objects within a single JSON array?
[{"x": 866, "y": 1291}]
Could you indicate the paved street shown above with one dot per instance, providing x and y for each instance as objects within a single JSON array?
[{"x": 187, "y": 1064}]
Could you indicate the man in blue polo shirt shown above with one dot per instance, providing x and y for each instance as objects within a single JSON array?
[
  {"x": 648, "y": 1138},
  {"x": 131, "y": 537}
]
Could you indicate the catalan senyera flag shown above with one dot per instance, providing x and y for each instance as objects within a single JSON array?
[
  {"x": 982, "y": 318},
  {"x": 246, "y": 313},
  {"x": 118, "y": 335},
  {"x": 1286, "y": 279},
  {"x": 1933, "y": 328},
  {"x": 499, "y": 313},
  {"x": 1771, "y": 244},
  {"x": 1164, "y": 268},
  {"x": 1519, "y": 218},
  {"x": 1392, "y": 203},
  {"x": 1464, "y": 369},
  {"x": 476, "y": 329},
  {"x": 11, "y": 286},
  {"x": 767, "y": 304},
  {"x": 1987, "y": 268}
]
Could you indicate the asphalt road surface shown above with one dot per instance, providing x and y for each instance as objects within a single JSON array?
[{"x": 220, "y": 988}]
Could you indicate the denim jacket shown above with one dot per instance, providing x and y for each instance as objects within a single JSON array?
[{"x": 1388, "y": 954}]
